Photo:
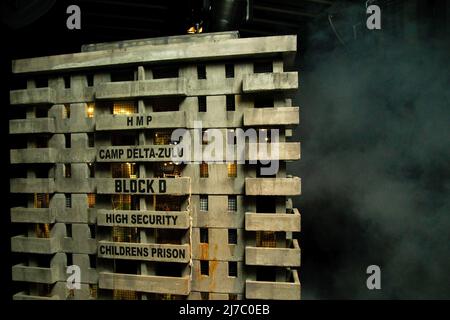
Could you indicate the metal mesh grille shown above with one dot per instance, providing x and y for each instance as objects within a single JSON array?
[
  {"x": 232, "y": 203},
  {"x": 91, "y": 200},
  {"x": 232, "y": 170},
  {"x": 125, "y": 295},
  {"x": 124, "y": 107},
  {"x": 203, "y": 203},
  {"x": 41, "y": 200},
  {"x": 125, "y": 234},
  {"x": 121, "y": 202},
  {"x": 266, "y": 239}
]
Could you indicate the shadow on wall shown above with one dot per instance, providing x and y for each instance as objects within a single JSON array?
[{"x": 375, "y": 168}]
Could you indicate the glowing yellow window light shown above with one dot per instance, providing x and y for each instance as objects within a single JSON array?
[
  {"x": 124, "y": 107},
  {"x": 90, "y": 109}
]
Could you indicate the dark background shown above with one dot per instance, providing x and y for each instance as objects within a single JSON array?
[{"x": 375, "y": 113}]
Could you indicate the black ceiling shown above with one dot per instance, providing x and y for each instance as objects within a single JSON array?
[
  {"x": 140, "y": 18},
  {"x": 112, "y": 20}
]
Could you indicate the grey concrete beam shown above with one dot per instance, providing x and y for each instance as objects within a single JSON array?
[
  {"x": 24, "y": 296},
  {"x": 273, "y": 290},
  {"x": 143, "y": 219},
  {"x": 282, "y": 257},
  {"x": 144, "y": 251},
  {"x": 33, "y": 155},
  {"x": 32, "y": 185},
  {"x": 218, "y": 248},
  {"x": 141, "y": 88},
  {"x": 144, "y": 283},
  {"x": 273, "y": 186},
  {"x": 226, "y": 49},
  {"x": 149, "y": 120},
  {"x": 35, "y": 245},
  {"x": 32, "y": 215},
  {"x": 272, "y": 222},
  {"x": 288, "y": 116},
  {"x": 30, "y": 126},
  {"x": 55, "y": 273},
  {"x": 177, "y": 186},
  {"x": 288, "y": 151},
  {"x": 259, "y": 82},
  {"x": 188, "y": 38},
  {"x": 218, "y": 280},
  {"x": 52, "y": 155},
  {"x": 32, "y": 96}
]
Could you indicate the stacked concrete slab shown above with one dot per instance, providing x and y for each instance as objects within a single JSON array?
[{"x": 214, "y": 245}]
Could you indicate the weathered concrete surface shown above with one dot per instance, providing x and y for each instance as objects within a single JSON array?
[
  {"x": 33, "y": 155},
  {"x": 32, "y": 215},
  {"x": 218, "y": 270},
  {"x": 56, "y": 272},
  {"x": 283, "y": 257},
  {"x": 273, "y": 151},
  {"x": 271, "y": 116},
  {"x": 32, "y": 185},
  {"x": 37, "y": 125},
  {"x": 218, "y": 247},
  {"x": 80, "y": 241},
  {"x": 181, "y": 218},
  {"x": 218, "y": 215},
  {"x": 169, "y": 119},
  {"x": 59, "y": 291},
  {"x": 50, "y": 155},
  {"x": 177, "y": 186},
  {"x": 141, "y": 153},
  {"x": 32, "y": 96},
  {"x": 34, "y": 274},
  {"x": 226, "y": 49},
  {"x": 35, "y": 245},
  {"x": 173, "y": 248},
  {"x": 158, "y": 153},
  {"x": 259, "y": 82},
  {"x": 76, "y": 118},
  {"x": 145, "y": 283},
  {"x": 187, "y": 38},
  {"x": 272, "y": 222},
  {"x": 142, "y": 88},
  {"x": 23, "y": 296},
  {"x": 273, "y": 290},
  {"x": 272, "y": 186}
]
